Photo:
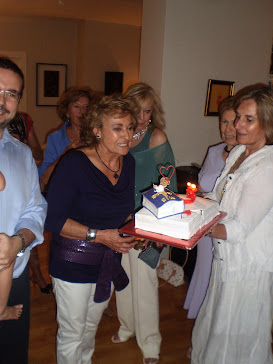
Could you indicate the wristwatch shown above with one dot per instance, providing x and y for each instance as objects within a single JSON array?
[
  {"x": 21, "y": 252},
  {"x": 91, "y": 234}
]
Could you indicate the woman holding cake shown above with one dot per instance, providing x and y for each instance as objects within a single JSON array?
[
  {"x": 90, "y": 195},
  {"x": 212, "y": 167},
  {"x": 137, "y": 305},
  {"x": 234, "y": 322}
]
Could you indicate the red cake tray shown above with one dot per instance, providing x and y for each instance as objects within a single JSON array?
[{"x": 130, "y": 229}]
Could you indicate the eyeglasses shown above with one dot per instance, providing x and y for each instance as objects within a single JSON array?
[{"x": 11, "y": 96}]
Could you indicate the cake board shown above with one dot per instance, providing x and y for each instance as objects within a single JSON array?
[{"x": 130, "y": 229}]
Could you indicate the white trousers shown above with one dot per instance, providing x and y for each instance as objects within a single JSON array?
[
  {"x": 138, "y": 305},
  {"x": 78, "y": 317}
]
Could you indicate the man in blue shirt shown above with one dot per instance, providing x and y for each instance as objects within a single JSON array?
[{"x": 22, "y": 215}]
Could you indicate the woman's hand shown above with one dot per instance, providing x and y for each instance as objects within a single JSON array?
[
  {"x": 159, "y": 245},
  {"x": 112, "y": 239}
]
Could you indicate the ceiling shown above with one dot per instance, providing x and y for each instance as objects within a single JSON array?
[{"x": 111, "y": 11}]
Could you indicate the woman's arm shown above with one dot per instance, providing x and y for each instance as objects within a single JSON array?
[
  {"x": 254, "y": 203},
  {"x": 35, "y": 147},
  {"x": 108, "y": 237},
  {"x": 49, "y": 170},
  {"x": 12, "y": 245},
  {"x": 57, "y": 144},
  {"x": 218, "y": 232},
  {"x": 158, "y": 137}
]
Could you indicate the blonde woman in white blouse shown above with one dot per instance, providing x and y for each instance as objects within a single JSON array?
[{"x": 234, "y": 322}]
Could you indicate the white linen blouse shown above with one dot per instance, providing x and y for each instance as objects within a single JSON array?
[{"x": 248, "y": 201}]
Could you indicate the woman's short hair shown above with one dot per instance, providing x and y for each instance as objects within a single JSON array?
[
  {"x": 263, "y": 96},
  {"x": 113, "y": 105},
  {"x": 72, "y": 94},
  {"x": 225, "y": 105},
  {"x": 145, "y": 94}
]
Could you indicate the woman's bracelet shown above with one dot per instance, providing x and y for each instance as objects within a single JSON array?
[{"x": 91, "y": 234}]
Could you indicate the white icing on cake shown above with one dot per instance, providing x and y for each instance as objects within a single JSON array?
[{"x": 179, "y": 226}]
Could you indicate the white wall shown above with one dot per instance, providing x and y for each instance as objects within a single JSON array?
[
  {"x": 152, "y": 42},
  {"x": 226, "y": 40}
]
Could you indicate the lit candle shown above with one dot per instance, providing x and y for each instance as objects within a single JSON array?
[{"x": 191, "y": 191}]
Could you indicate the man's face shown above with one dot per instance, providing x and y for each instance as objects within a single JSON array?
[{"x": 9, "y": 81}]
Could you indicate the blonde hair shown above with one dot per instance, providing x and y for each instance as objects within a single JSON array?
[
  {"x": 144, "y": 94},
  {"x": 113, "y": 105},
  {"x": 263, "y": 96}
]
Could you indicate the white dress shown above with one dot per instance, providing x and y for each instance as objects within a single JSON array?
[
  {"x": 211, "y": 169},
  {"x": 234, "y": 323}
]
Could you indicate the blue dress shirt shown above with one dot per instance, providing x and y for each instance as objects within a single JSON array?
[
  {"x": 55, "y": 146},
  {"x": 21, "y": 202}
]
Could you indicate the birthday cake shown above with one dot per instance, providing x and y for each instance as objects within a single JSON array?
[
  {"x": 179, "y": 216},
  {"x": 181, "y": 226}
]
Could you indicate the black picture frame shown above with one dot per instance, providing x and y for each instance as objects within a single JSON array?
[
  {"x": 113, "y": 82},
  {"x": 51, "y": 82},
  {"x": 217, "y": 91}
]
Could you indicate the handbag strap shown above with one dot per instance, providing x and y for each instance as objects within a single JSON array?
[
  {"x": 233, "y": 168},
  {"x": 186, "y": 259},
  {"x": 161, "y": 266}
]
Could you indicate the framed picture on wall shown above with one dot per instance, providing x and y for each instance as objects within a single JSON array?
[
  {"x": 217, "y": 91},
  {"x": 50, "y": 83}
]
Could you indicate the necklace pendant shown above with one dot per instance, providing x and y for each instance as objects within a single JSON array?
[
  {"x": 137, "y": 136},
  {"x": 116, "y": 176}
]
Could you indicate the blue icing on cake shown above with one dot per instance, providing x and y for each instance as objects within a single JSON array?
[
  {"x": 158, "y": 199},
  {"x": 162, "y": 202}
]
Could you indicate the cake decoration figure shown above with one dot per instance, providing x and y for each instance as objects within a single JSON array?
[{"x": 160, "y": 200}]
